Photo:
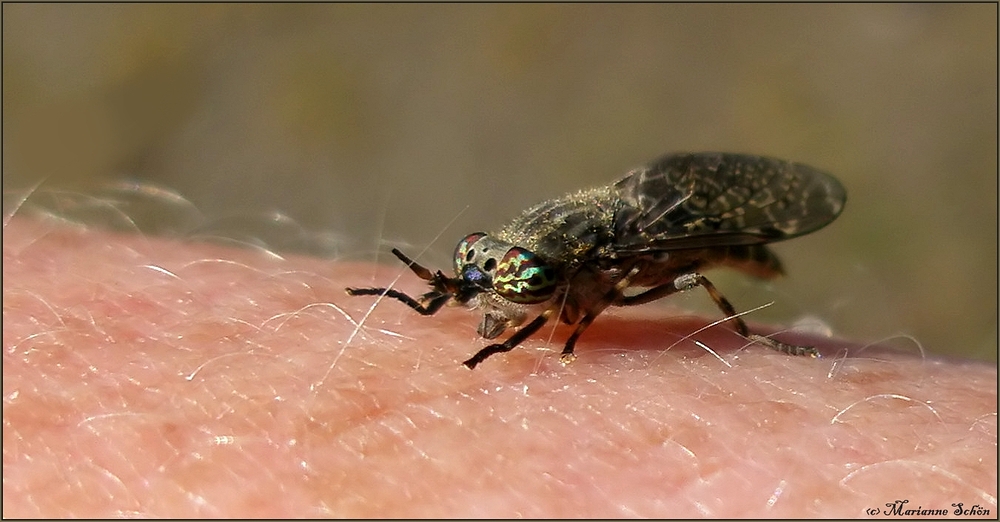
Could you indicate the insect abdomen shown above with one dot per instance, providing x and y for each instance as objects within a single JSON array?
[{"x": 755, "y": 260}]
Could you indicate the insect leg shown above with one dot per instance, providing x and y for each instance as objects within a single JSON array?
[
  {"x": 514, "y": 340},
  {"x": 567, "y": 354},
  {"x": 438, "y": 297},
  {"x": 613, "y": 296},
  {"x": 790, "y": 349},
  {"x": 689, "y": 281},
  {"x": 741, "y": 326},
  {"x": 436, "y": 303},
  {"x": 657, "y": 292}
]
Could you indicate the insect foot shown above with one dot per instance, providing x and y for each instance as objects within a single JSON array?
[
  {"x": 656, "y": 229},
  {"x": 790, "y": 349}
]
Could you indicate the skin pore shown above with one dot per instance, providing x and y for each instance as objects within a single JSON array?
[{"x": 153, "y": 377}]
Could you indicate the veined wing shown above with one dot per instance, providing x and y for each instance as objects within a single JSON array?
[{"x": 714, "y": 199}]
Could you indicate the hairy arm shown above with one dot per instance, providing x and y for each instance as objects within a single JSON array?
[{"x": 152, "y": 377}]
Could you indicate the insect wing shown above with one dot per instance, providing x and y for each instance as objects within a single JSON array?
[{"x": 701, "y": 200}]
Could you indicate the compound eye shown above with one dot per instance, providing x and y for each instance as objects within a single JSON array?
[
  {"x": 522, "y": 277},
  {"x": 465, "y": 252}
]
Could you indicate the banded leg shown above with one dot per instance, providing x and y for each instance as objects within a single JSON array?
[{"x": 689, "y": 281}]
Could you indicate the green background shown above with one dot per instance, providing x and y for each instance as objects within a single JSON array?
[{"x": 413, "y": 125}]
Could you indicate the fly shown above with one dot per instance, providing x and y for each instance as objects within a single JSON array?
[{"x": 656, "y": 229}]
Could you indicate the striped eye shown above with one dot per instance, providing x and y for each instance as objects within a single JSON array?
[
  {"x": 465, "y": 251},
  {"x": 522, "y": 277}
]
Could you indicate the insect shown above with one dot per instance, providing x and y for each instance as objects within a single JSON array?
[{"x": 655, "y": 229}]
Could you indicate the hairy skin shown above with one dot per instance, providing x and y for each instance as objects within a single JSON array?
[{"x": 152, "y": 377}]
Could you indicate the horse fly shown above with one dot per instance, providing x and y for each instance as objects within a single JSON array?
[{"x": 656, "y": 229}]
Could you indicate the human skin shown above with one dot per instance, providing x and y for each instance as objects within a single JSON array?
[{"x": 154, "y": 377}]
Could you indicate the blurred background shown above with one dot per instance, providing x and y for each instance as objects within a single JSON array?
[{"x": 339, "y": 130}]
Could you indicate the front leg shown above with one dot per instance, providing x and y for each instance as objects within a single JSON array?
[
  {"x": 514, "y": 340},
  {"x": 437, "y": 299}
]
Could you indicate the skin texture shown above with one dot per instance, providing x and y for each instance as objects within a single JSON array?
[{"x": 152, "y": 377}]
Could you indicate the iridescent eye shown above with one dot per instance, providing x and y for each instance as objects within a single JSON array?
[
  {"x": 522, "y": 277},
  {"x": 464, "y": 252}
]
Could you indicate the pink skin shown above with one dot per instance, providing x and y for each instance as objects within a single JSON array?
[{"x": 151, "y": 377}]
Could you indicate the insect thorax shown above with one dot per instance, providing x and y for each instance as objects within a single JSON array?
[
  {"x": 566, "y": 231},
  {"x": 535, "y": 259}
]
